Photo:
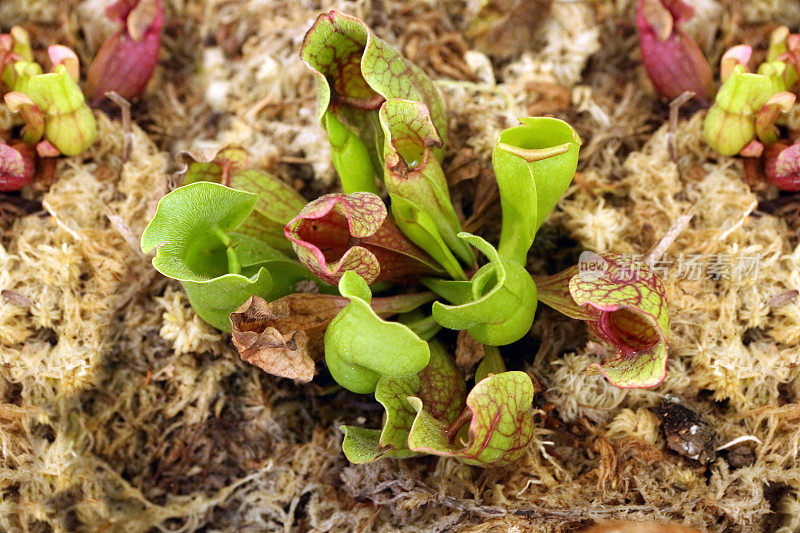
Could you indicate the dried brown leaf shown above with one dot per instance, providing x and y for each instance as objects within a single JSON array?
[
  {"x": 428, "y": 39},
  {"x": 486, "y": 196},
  {"x": 465, "y": 166},
  {"x": 284, "y": 337},
  {"x": 276, "y": 355},
  {"x": 547, "y": 97},
  {"x": 783, "y": 298}
]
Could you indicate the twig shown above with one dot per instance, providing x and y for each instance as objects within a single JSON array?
[
  {"x": 738, "y": 440},
  {"x": 253, "y": 112},
  {"x": 125, "y": 231},
  {"x": 666, "y": 241},
  {"x": 724, "y": 235},
  {"x": 74, "y": 233},
  {"x": 672, "y": 126},
  {"x": 672, "y": 233},
  {"x": 127, "y": 147}
]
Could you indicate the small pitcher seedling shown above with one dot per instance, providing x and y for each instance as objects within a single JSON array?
[
  {"x": 127, "y": 59},
  {"x": 496, "y": 306},
  {"x": 671, "y": 58},
  {"x": 625, "y": 304},
  {"x": 213, "y": 239},
  {"x": 360, "y": 347},
  {"x": 742, "y": 119},
  {"x": 337, "y": 233},
  {"x": 57, "y": 119},
  {"x": 414, "y": 179},
  {"x": 51, "y": 104},
  {"x": 356, "y": 72}
]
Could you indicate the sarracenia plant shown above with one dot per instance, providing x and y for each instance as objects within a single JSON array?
[
  {"x": 742, "y": 119},
  {"x": 213, "y": 239},
  {"x": 218, "y": 235},
  {"x": 356, "y": 72},
  {"x": 416, "y": 184},
  {"x": 57, "y": 119},
  {"x": 672, "y": 59},
  {"x": 624, "y": 302},
  {"x": 127, "y": 59}
]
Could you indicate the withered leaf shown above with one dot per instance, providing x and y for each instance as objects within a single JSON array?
[
  {"x": 16, "y": 298},
  {"x": 278, "y": 356},
  {"x": 468, "y": 350},
  {"x": 504, "y": 28},
  {"x": 284, "y": 337},
  {"x": 465, "y": 166}
]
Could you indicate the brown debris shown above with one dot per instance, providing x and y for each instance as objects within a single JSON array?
[
  {"x": 468, "y": 351},
  {"x": 486, "y": 196},
  {"x": 686, "y": 432},
  {"x": 547, "y": 98},
  {"x": 16, "y": 298},
  {"x": 284, "y": 337},
  {"x": 464, "y": 166},
  {"x": 431, "y": 43},
  {"x": 12, "y": 207},
  {"x": 787, "y": 208},
  {"x": 741, "y": 455},
  {"x": 783, "y": 298},
  {"x": 505, "y": 28}
]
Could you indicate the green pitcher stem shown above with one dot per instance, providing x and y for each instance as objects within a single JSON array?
[
  {"x": 425, "y": 327},
  {"x": 455, "y": 270},
  {"x": 234, "y": 267},
  {"x": 224, "y": 239},
  {"x": 350, "y": 158},
  {"x": 514, "y": 245},
  {"x": 402, "y": 303}
]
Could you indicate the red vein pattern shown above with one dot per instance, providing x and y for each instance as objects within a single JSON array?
[
  {"x": 337, "y": 232},
  {"x": 624, "y": 304},
  {"x": 500, "y": 429},
  {"x": 634, "y": 317},
  {"x": 440, "y": 387},
  {"x": 356, "y": 71}
]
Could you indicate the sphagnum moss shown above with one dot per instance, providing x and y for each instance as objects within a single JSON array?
[{"x": 126, "y": 420}]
